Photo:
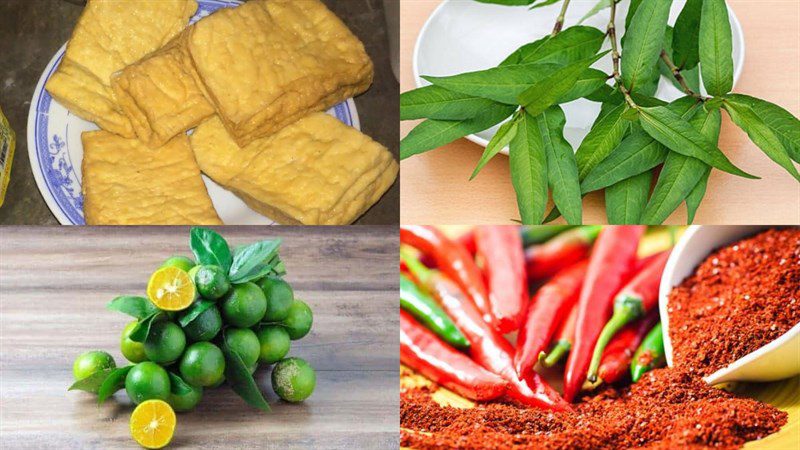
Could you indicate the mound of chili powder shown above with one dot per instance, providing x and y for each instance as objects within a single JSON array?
[
  {"x": 740, "y": 298},
  {"x": 666, "y": 409}
]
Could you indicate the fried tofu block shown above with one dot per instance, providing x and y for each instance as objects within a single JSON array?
[
  {"x": 316, "y": 171},
  {"x": 127, "y": 183},
  {"x": 160, "y": 95},
  {"x": 110, "y": 35},
  {"x": 266, "y": 64}
]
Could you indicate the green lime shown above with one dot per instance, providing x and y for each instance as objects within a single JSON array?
[
  {"x": 165, "y": 343},
  {"x": 203, "y": 364},
  {"x": 244, "y": 306},
  {"x": 293, "y": 379},
  {"x": 212, "y": 282},
  {"x": 91, "y": 362},
  {"x": 218, "y": 383},
  {"x": 298, "y": 322},
  {"x": 181, "y": 262},
  {"x": 147, "y": 381},
  {"x": 192, "y": 272},
  {"x": 274, "y": 343},
  {"x": 132, "y": 351},
  {"x": 205, "y": 326},
  {"x": 244, "y": 342},
  {"x": 187, "y": 401},
  {"x": 279, "y": 298}
]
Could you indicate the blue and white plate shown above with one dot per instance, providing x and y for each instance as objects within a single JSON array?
[{"x": 56, "y": 152}]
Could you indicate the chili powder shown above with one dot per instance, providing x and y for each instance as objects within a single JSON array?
[
  {"x": 666, "y": 409},
  {"x": 740, "y": 298}
]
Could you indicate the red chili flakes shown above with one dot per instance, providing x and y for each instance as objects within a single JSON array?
[
  {"x": 740, "y": 298},
  {"x": 666, "y": 409}
]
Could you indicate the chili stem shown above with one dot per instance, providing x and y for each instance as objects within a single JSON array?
[
  {"x": 417, "y": 269},
  {"x": 615, "y": 57},
  {"x": 558, "y": 351},
  {"x": 560, "y": 20},
  {"x": 622, "y": 316}
]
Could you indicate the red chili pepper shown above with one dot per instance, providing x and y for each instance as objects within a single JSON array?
[
  {"x": 612, "y": 260},
  {"x": 500, "y": 255},
  {"x": 453, "y": 260},
  {"x": 549, "y": 307},
  {"x": 467, "y": 240},
  {"x": 617, "y": 356},
  {"x": 633, "y": 301},
  {"x": 427, "y": 354},
  {"x": 565, "y": 336},
  {"x": 487, "y": 347},
  {"x": 544, "y": 261}
]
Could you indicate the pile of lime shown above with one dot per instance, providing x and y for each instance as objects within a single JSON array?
[{"x": 204, "y": 323}]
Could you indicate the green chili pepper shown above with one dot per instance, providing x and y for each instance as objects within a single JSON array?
[
  {"x": 541, "y": 233},
  {"x": 650, "y": 354},
  {"x": 425, "y": 309}
]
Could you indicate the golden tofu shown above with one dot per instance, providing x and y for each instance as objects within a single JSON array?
[
  {"x": 266, "y": 64},
  {"x": 316, "y": 171},
  {"x": 110, "y": 35},
  {"x": 160, "y": 95},
  {"x": 127, "y": 183}
]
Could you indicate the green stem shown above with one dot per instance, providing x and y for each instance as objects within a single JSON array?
[
  {"x": 615, "y": 57},
  {"x": 650, "y": 353},
  {"x": 676, "y": 72},
  {"x": 560, "y": 20},
  {"x": 624, "y": 315},
  {"x": 417, "y": 269},
  {"x": 558, "y": 351}
]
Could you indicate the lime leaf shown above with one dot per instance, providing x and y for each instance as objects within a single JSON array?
[
  {"x": 197, "y": 308},
  {"x": 626, "y": 199},
  {"x": 528, "y": 163},
  {"x": 562, "y": 170},
  {"x": 252, "y": 256},
  {"x": 716, "y": 48},
  {"x": 177, "y": 386},
  {"x": 93, "y": 382},
  {"x": 113, "y": 382},
  {"x": 240, "y": 379},
  {"x": 140, "y": 332},
  {"x": 210, "y": 248},
  {"x": 139, "y": 307}
]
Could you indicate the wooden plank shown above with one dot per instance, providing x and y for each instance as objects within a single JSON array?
[{"x": 55, "y": 282}]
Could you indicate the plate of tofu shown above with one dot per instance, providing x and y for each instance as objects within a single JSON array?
[{"x": 168, "y": 114}]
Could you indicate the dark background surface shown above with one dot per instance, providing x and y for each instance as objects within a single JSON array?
[{"x": 31, "y": 31}]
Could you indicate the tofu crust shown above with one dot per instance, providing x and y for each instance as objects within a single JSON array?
[
  {"x": 110, "y": 35},
  {"x": 296, "y": 57},
  {"x": 127, "y": 183},
  {"x": 316, "y": 171},
  {"x": 161, "y": 95}
]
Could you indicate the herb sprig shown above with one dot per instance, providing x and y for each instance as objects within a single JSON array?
[{"x": 635, "y": 133}]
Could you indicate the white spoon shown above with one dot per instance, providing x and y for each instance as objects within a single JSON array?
[{"x": 776, "y": 360}]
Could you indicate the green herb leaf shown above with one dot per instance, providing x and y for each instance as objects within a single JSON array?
[
  {"x": 781, "y": 122},
  {"x": 562, "y": 170},
  {"x": 502, "y": 84},
  {"x": 500, "y": 140},
  {"x": 434, "y": 102},
  {"x": 210, "y": 248},
  {"x": 93, "y": 382},
  {"x": 696, "y": 196},
  {"x": 632, "y": 8},
  {"x": 431, "y": 133},
  {"x": 643, "y": 43},
  {"x": 678, "y": 135},
  {"x": 685, "y": 46},
  {"x": 571, "y": 45},
  {"x": 508, "y": 2},
  {"x": 251, "y": 257},
  {"x": 599, "y": 6},
  {"x": 605, "y": 135},
  {"x": 545, "y": 92},
  {"x": 626, "y": 199},
  {"x": 177, "y": 386},
  {"x": 589, "y": 82},
  {"x": 142, "y": 328},
  {"x": 139, "y": 307},
  {"x": 198, "y": 307},
  {"x": 691, "y": 76},
  {"x": 528, "y": 163},
  {"x": 716, "y": 48},
  {"x": 113, "y": 382},
  {"x": 544, "y": 3},
  {"x": 761, "y": 135},
  {"x": 240, "y": 379},
  {"x": 681, "y": 174}
]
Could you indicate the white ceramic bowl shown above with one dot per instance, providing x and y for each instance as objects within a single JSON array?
[
  {"x": 778, "y": 359},
  {"x": 466, "y": 35}
]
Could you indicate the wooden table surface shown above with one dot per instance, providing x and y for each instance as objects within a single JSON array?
[
  {"x": 435, "y": 187},
  {"x": 53, "y": 290}
]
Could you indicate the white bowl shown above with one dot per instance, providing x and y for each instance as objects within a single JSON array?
[
  {"x": 466, "y": 35},
  {"x": 778, "y": 359}
]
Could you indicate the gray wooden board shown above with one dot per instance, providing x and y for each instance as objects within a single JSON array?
[{"x": 56, "y": 281}]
